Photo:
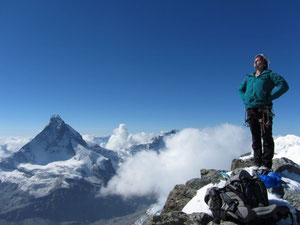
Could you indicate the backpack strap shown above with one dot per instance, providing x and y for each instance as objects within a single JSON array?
[
  {"x": 220, "y": 203},
  {"x": 266, "y": 211},
  {"x": 238, "y": 211},
  {"x": 215, "y": 205},
  {"x": 237, "y": 191}
]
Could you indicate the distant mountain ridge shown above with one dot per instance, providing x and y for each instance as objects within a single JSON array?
[
  {"x": 58, "y": 170},
  {"x": 157, "y": 143}
]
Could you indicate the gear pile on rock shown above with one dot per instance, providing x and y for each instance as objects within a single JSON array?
[{"x": 181, "y": 194}]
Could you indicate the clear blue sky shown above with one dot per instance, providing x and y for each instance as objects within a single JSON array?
[{"x": 151, "y": 64}]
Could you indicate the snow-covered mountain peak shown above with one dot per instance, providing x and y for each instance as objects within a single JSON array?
[
  {"x": 56, "y": 154},
  {"x": 56, "y": 142},
  {"x": 56, "y": 121},
  {"x": 57, "y": 129},
  {"x": 288, "y": 146}
]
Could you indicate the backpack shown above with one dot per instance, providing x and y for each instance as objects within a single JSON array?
[{"x": 244, "y": 200}]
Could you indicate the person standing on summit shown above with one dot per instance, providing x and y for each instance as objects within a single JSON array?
[{"x": 257, "y": 91}]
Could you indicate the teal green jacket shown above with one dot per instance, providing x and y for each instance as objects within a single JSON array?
[{"x": 262, "y": 90}]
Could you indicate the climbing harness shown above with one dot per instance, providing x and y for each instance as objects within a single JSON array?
[
  {"x": 246, "y": 123},
  {"x": 264, "y": 120}
]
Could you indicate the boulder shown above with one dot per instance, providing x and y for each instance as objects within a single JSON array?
[
  {"x": 170, "y": 218},
  {"x": 177, "y": 199},
  {"x": 179, "y": 218},
  {"x": 283, "y": 164},
  {"x": 182, "y": 194},
  {"x": 293, "y": 197},
  {"x": 212, "y": 175},
  {"x": 222, "y": 223},
  {"x": 240, "y": 163}
]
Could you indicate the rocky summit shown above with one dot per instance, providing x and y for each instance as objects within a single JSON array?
[{"x": 172, "y": 213}]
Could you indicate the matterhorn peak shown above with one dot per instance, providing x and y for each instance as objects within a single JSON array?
[
  {"x": 56, "y": 121},
  {"x": 56, "y": 142}
]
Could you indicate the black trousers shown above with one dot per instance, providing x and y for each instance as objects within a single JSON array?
[{"x": 263, "y": 151}]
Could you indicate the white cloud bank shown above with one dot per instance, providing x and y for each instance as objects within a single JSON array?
[
  {"x": 8, "y": 145},
  {"x": 121, "y": 139},
  {"x": 186, "y": 153}
]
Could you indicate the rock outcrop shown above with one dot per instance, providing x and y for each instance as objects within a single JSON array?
[
  {"x": 181, "y": 194},
  {"x": 179, "y": 218}
]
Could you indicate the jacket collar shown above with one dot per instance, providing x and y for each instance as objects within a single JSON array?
[{"x": 264, "y": 72}]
